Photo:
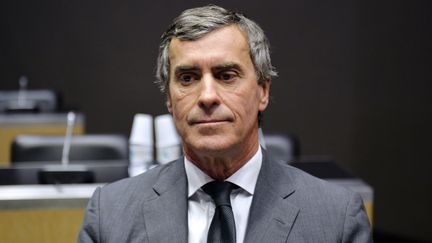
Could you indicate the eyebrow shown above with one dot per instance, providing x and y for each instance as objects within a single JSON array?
[
  {"x": 186, "y": 68},
  {"x": 226, "y": 66},
  {"x": 217, "y": 68}
]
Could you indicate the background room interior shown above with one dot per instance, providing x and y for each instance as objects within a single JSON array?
[{"x": 354, "y": 81}]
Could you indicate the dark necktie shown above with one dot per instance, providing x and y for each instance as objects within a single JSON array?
[{"x": 222, "y": 228}]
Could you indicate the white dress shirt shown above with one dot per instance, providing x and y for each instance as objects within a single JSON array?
[{"x": 201, "y": 207}]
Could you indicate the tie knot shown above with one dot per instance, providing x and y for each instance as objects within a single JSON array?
[{"x": 219, "y": 191}]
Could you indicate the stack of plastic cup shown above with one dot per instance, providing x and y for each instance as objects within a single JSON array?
[
  {"x": 141, "y": 144},
  {"x": 168, "y": 142}
]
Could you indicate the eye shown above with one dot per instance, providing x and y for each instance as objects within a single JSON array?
[
  {"x": 227, "y": 75},
  {"x": 186, "y": 78}
]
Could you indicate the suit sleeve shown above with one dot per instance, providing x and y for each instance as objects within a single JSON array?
[
  {"x": 356, "y": 226},
  {"x": 90, "y": 232}
]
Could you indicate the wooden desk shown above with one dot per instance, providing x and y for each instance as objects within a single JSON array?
[
  {"x": 48, "y": 213},
  {"x": 12, "y": 125},
  {"x": 42, "y": 213}
]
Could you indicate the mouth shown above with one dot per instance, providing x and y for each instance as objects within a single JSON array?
[{"x": 210, "y": 122}]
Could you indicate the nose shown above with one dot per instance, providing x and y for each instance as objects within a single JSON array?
[{"x": 209, "y": 97}]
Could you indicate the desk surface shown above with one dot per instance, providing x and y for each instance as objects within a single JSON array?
[
  {"x": 26, "y": 173},
  {"x": 46, "y": 196},
  {"x": 17, "y": 119}
]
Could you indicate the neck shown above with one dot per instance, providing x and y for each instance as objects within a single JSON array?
[{"x": 222, "y": 165}]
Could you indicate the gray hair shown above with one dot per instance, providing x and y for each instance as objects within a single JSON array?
[{"x": 194, "y": 23}]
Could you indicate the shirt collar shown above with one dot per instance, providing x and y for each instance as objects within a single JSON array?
[{"x": 246, "y": 177}]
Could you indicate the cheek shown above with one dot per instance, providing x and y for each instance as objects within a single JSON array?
[
  {"x": 246, "y": 101},
  {"x": 181, "y": 103}
]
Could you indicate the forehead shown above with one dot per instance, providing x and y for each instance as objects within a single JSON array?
[{"x": 227, "y": 44}]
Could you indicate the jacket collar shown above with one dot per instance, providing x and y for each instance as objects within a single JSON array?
[
  {"x": 271, "y": 215},
  {"x": 165, "y": 212}
]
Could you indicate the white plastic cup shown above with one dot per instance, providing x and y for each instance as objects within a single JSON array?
[
  {"x": 168, "y": 142},
  {"x": 141, "y": 144}
]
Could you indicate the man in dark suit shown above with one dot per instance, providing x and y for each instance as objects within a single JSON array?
[{"x": 214, "y": 67}]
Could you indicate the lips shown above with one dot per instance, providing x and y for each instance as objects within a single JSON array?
[{"x": 208, "y": 121}]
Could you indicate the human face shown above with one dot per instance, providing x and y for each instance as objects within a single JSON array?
[{"x": 213, "y": 94}]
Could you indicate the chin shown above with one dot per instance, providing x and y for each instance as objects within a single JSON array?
[{"x": 211, "y": 146}]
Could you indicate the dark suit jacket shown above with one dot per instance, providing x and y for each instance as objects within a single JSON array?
[{"x": 288, "y": 206}]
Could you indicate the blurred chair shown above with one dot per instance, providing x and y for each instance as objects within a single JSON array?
[
  {"x": 27, "y": 148},
  {"x": 28, "y": 101},
  {"x": 281, "y": 146}
]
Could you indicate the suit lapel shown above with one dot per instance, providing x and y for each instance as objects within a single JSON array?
[
  {"x": 271, "y": 215},
  {"x": 165, "y": 213}
]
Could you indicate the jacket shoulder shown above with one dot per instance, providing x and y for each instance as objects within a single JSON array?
[
  {"x": 332, "y": 209},
  {"x": 137, "y": 186}
]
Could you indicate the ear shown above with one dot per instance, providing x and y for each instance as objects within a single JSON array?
[
  {"x": 168, "y": 102},
  {"x": 264, "y": 95}
]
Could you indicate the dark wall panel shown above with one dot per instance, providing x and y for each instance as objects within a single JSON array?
[{"x": 353, "y": 79}]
